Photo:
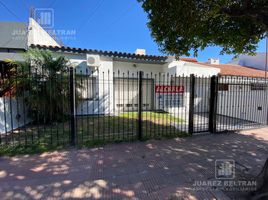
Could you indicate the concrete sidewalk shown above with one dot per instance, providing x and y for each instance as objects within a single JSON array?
[{"x": 163, "y": 169}]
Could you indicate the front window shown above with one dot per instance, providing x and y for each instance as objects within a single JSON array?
[
  {"x": 174, "y": 100},
  {"x": 89, "y": 87},
  {"x": 258, "y": 86},
  {"x": 223, "y": 87}
]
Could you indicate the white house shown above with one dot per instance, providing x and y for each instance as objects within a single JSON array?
[
  {"x": 121, "y": 69},
  {"x": 113, "y": 84}
]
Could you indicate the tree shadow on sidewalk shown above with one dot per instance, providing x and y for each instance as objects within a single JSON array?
[{"x": 155, "y": 168}]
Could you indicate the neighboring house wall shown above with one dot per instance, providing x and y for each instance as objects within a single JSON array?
[
  {"x": 13, "y": 114},
  {"x": 181, "y": 68},
  {"x": 38, "y": 36},
  {"x": 13, "y": 35},
  {"x": 241, "y": 102},
  {"x": 18, "y": 56}
]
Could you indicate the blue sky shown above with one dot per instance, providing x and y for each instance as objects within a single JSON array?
[{"x": 118, "y": 25}]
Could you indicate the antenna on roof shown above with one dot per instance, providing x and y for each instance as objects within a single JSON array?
[{"x": 31, "y": 12}]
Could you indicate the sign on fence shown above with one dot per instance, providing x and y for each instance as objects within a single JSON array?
[{"x": 169, "y": 89}]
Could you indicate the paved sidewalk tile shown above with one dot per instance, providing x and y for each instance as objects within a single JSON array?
[{"x": 174, "y": 169}]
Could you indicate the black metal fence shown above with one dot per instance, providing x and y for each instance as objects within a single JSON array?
[
  {"x": 125, "y": 106},
  {"x": 241, "y": 103},
  {"x": 89, "y": 107}
]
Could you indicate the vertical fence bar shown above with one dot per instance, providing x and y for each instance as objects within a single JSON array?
[
  {"x": 118, "y": 107},
  {"x": 191, "y": 104},
  {"x": 87, "y": 96},
  {"x": 94, "y": 96},
  {"x": 266, "y": 97},
  {"x": 82, "y": 84},
  {"x": 159, "y": 106},
  {"x": 11, "y": 112},
  {"x": 103, "y": 108},
  {"x": 5, "y": 119},
  {"x": 114, "y": 110},
  {"x": 63, "y": 81},
  {"x": 213, "y": 104},
  {"x": 167, "y": 106},
  {"x": 50, "y": 108},
  {"x": 99, "y": 88},
  {"x": 140, "y": 106},
  {"x": 132, "y": 103},
  {"x": 128, "y": 105},
  {"x": 17, "y": 105},
  {"x": 164, "y": 106},
  {"x": 123, "y": 104},
  {"x": 72, "y": 106},
  {"x": 146, "y": 102},
  {"x": 109, "y": 103},
  {"x": 76, "y": 82},
  {"x": 155, "y": 109}
]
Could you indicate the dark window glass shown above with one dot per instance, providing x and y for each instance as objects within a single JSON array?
[{"x": 223, "y": 87}]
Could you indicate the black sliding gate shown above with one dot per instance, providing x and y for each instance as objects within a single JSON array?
[
  {"x": 89, "y": 107},
  {"x": 241, "y": 103}
]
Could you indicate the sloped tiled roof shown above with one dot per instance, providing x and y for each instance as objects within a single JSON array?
[
  {"x": 236, "y": 70},
  {"x": 226, "y": 69},
  {"x": 13, "y": 35},
  {"x": 194, "y": 60},
  {"x": 114, "y": 54}
]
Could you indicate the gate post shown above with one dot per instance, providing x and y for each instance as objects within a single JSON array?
[
  {"x": 139, "y": 130},
  {"x": 191, "y": 104},
  {"x": 72, "y": 106},
  {"x": 213, "y": 104}
]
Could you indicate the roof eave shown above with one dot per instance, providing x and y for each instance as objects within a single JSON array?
[{"x": 114, "y": 54}]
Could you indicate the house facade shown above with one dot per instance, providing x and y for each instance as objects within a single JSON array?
[
  {"x": 120, "y": 70},
  {"x": 110, "y": 79}
]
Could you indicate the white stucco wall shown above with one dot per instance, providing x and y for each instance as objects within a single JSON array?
[
  {"x": 202, "y": 85},
  {"x": 198, "y": 70},
  {"x": 103, "y": 102},
  {"x": 38, "y": 36},
  {"x": 243, "y": 103},
  {"x": 160, "y": 74},
  {"x": 131, "y": 67},
  {"x": 12, "y": 114},
  {"x": 11, "y": 56}
]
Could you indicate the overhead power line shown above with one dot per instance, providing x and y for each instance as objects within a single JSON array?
[
  {"x": 52, "y": 3},
  {"x": 84, "y": 24},
  {"x": 10, "y": 11}
]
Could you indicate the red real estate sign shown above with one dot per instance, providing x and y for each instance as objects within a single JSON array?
[{"x": 169, "y": 89}]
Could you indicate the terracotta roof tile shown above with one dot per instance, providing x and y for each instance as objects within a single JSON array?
[
  {"x": 236, "y": 70},
  {"x": 188, "y": 59},
  {"x": 115, "y": 54}
]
